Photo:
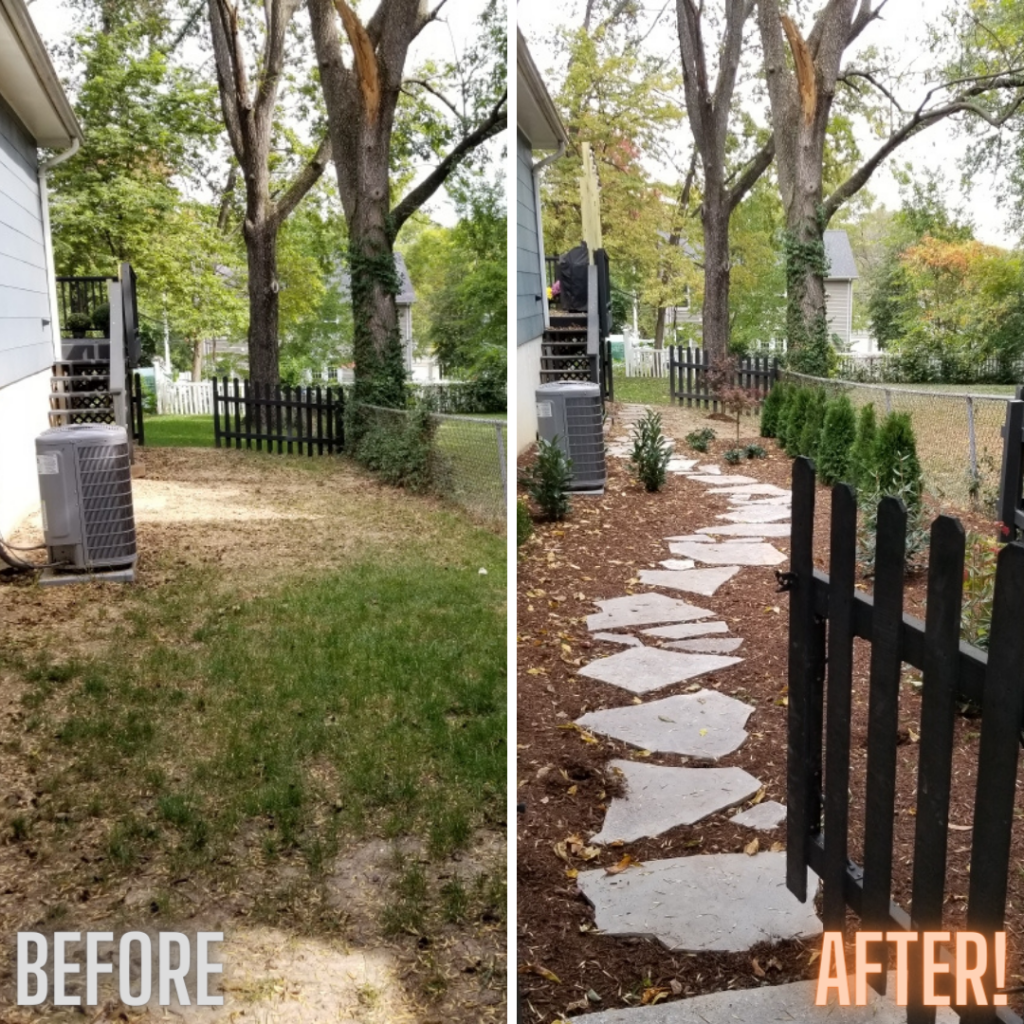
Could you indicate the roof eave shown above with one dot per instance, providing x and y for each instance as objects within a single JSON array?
[{"x": 533, "y": 98}]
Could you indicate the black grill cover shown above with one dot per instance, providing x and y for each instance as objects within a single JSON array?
[{"x": 572, "y": 278}]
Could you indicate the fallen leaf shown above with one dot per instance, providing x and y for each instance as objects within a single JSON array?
[
  {"x": 543, "y": 972},
  {"x": 654, "y": 995},
  {"x": 777, "y": 847},
  {"x": 760, "y": 796},
  {"x": 960, "y": 828},
  {"x": 626, "y": 862},
  {"x": 571, "y": 873},
  {"x": 752, "y": 847},
  {"x": 815, "y": 953},
  {"x": 676, "y": 986},
  {"x": 758, "y": 969},
  {"x": 571, "y": 791}
]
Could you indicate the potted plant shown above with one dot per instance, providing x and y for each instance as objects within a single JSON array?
[{"x": 78, "y": 324}]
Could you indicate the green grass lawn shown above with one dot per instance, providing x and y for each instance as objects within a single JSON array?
[
  {"x": 366, "y": 700},
  {"x": 640, "y": 390},
  {"x": 179, "y": 431}
]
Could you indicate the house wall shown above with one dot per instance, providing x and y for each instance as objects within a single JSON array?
[
  {"x": 26, "y": 336},
  {"x": 23, "y": 415},
  {"x": 527, "y": 382},
  {"x": 530, "y": 282},
  {"x": 839, "y": 307}
]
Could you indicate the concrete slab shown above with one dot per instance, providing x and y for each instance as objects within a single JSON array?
[
  {"x": 749, "y": 530},
  {"x": 732, "y": 554},
  {"x": 764, "y": 816},
  {"x": 693, "y": 581},
  {"x": 642, "y": 669},
  {"x": 705, "y": 724},
  {"x": 619, "y": 638},
  {"x": 659, "y": 798},
  {"x": 643, "y": 610},
  {"x": 721, "y": 901},
  {"x": 752, "y": 489},
  {"x": 769, "y": 1004},
  {"x": 707, "y": 645},
  {"x": 772, "y": 514},
  {"x": 722, "y": 479},
  {"x": 687, "y": 629},
  {"x": 678, "y": 564}
]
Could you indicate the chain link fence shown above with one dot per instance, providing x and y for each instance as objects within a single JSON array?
[
  {"x": 959, "y": 435},
  {"x": 463, "y": 459}
]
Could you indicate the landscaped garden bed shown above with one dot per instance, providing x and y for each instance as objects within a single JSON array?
[{"x": 566, "y": 783}]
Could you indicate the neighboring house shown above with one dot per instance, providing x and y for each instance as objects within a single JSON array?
[
  {"x": 538, "y": 129},
  {"x": 839, "y": 285},
  {"x": 34, "y": 114}
]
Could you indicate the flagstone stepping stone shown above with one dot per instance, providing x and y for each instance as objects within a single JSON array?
[
  {"x": 619, "y": 638},
  {"x": 681, "y": 465},
  {"x": 659, "y": 798},
  {"x": 751, "y": 489},
  {"x": 772, "y": 514},
  {"x": 741, "y": 502},
  {"x": 723, "y": 480},
  {"x": 749, "y": 530},
  {"x": 734, "y": 553},
  {"x": 678, "y": 564},
  {"x": 764, "y": 816},
  {"x": 685, "y": 629},
  {"x": 721, "y": 901},
  {"x": 707, "y": 645},
  {"x": 642, "y": 669},
  {"x": 643, "y": 610},
  {"x": 695, "y": 537},
  {"x": 705, "y": 724},
  {"x": 693, "y": 581},
  {"x": 769, "y": 1004}
]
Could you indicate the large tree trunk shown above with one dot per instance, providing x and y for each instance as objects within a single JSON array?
[
  {"x": 659, "y": 329},
  {"x": 715, "y": 321},
  {"x": 261, "y": 247},
  {"x": 197, "y": 359}
]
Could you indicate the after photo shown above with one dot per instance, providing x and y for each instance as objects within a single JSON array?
[
  {"x": 253, "y": 493},
  {"x": 769, "y": 380}
]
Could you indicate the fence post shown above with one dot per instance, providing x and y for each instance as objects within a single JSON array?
[
  {"x": 1010, "y": 474},
  {"x": 972, "y": 448},
  {"x": 216, "y": 415},
  {"x": 501, "y": 462},
  {"x": 888, "y": 401}
]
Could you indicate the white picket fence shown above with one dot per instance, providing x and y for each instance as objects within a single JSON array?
[{"x": 183, "y": 398}]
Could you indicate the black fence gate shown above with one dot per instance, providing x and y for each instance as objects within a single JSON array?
[
  {"x": 688, "y": 376},
  {"x": 287, "y": 420},
  {"x": 826, "y": 613}
]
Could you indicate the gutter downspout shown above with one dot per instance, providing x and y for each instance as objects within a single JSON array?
[
  {"x": 535, "y": 174},
  {"x": 51, "y": 271}
]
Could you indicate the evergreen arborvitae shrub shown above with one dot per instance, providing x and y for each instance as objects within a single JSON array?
[
  {"x": 773, "y": 402},
  {"x": 896, "y": 463},
  {"x": 862, "y": 459},
  {"x": 837, "y": 439},
  {"x": 810, "y": 433},
  {"x": 797, "y": 409},
  {"x": 651, "y": 451},
  {"x": 782, "y": 414},
  {"x": 549, "y": 478},
  {"x": 524, "y": 524}
]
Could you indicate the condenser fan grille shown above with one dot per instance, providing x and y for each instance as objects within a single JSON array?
[
  {"x": 104, "y": 474},
  {"x": 583, "y": 418}
]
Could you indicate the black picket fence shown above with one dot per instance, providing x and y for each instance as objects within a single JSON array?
[
  {"x": 285, "y": 420},
  {"x": 688, "y": 376},
  {"x": 826, "y": 613}
]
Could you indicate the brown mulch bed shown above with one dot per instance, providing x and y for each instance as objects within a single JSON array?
[{"x": 565, "y": 784}]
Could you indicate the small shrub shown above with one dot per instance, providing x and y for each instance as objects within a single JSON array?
[
  {"x": 979, "y": 589},
  {"x": 782, "y": 415},
  {"x": 755, "y": 451},
  {"x": 862, "y": 458},
  {"x": 699, "y": 440},
  {"x": 524, "y": 524},
  {"x": 733, "y": 455},
  {"x": 814, "y": 421},
  {"x": 837, "y": 439},
  {"x": 796, "y": 414},
  {"x": 547, "y": 481},
  {"x": 734, "y": 399},
  {"x": 773, "y": 404},
  {"x": 901, "y": 486},
  {"x": 896, "y": 462},
  {"x": 651, "y": 451}
]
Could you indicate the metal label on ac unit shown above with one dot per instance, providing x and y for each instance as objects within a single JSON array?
[
  {"x": 543, "y": 410},
  {"x": 48, "y": 464}
]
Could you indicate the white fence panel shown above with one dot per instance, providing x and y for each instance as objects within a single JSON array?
[{"x": 184, "y": 398}]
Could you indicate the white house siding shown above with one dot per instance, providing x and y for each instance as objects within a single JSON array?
[
  {"x": 839, "y": 305},
  {"x": 530, "y": 281},
  {"x": 26, "y": 341},
  {"x": 527, "y": 377}
]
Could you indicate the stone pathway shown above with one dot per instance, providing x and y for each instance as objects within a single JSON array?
[{"x": 721, "y": 901}]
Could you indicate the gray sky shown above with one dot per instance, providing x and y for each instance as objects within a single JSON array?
[
  {"x": 901, "y": 27},
  {"x": 452, "y": 33}
]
